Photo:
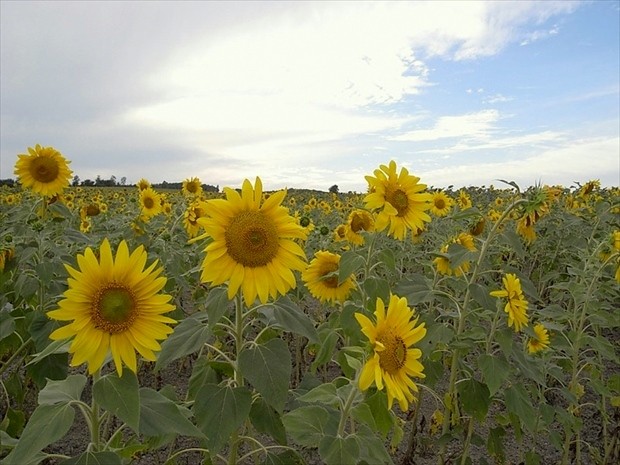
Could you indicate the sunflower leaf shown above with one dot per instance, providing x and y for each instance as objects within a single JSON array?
[
  {"x": 335, "y": 450},
  {"x": 285, "y": 314},
  {"x": 120, "y": 396},
  {"x": 188, "y": 337},
  {"x": 57, "y": 392},
  {"x": 160, "y": 415}
]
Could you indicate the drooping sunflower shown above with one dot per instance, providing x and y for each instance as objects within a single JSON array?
[
  {"x": 115, "y": 306},
  {"x": 358, "y": 221},
  {"x": 150, "y": 203},
  {"x": 321, "y": 278},
  {"x": 253, "y": 245},
  {"x": 400, "y": 199},
  {"x": 443, "y": 263},
  {"x": 197, "y": 209},
  {"x": 43, "y": 170},
  {"x": 540, "y": 341},
  {"x": 192, "y": 187},
  {"x": 442, "y": 204},
  {"x": 516, "y": 307},
  {"x": 394, "y": 362}
]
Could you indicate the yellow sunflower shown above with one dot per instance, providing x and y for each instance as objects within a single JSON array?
[
  {"x": 443, "y": 264},
  {"x": 43, "y": 170},
  {"x": 540, "y": 341},
  {"x": 197, "y": 209},
  {"x": 516, "y": 307},
  {"x": 359, "y": 220},
  {"x": 321, "y": 278},
  {"x": 394, "y": 361},
  {"x": 143, "y": 184},
  {"x": 192, "y": 187},
  {"x": 253, "y": 245},
  {"x": 401, "y": 201},
  {"x": 441, "y": 204},
  {"x": 114, "y": 305},
  {"x": 464, "y": 200},
  {"x": 150, "y": 203}
]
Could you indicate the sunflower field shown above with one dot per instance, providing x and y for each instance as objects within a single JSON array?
[{"x": 403, "y": 325}]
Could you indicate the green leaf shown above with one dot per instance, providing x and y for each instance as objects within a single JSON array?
[
  {"x": 219, "y": 411},
  {"x": 94, "y": 458},
  {"x": 160, "y": 415},
  {"x": 285, "y": 314},
  {"x": 120, "y": 396},
  {"x": 324, "y": 394},
  {"x": 383, "y": 417},
  {"x": 288, "y": 457},
  {"x": 376, "y": 287},
  {"x": 326, "y": 349},
  {"x": 475, "y": 398},
  {"x": 216, "y": 304},
  {"x": 372, "y": 448},
  {"x": 7, "y": 325},
  {"x": 518, "y": 402},
  {"x": 335, "y": 450},
  {"x": 202, "y": 374},
  {"x": 57, "y": 392},
  {"x": 52, "y": 367},
  {"x": 307, "y": 425},
  {"x": 495, "y": 443},
  {"x": 47, "y": 425},
  {"x": 483, "y": 297},
  {"x": 268, "y": 368},
  {"x": 54, "y": 347},
  {"x": 387, "y": 257},
  {"x": 266, "y": 420},
  {"x": 495, "y": 371},
  {"x": 188, "y": 337},
  {"x": 350, "y": 263}
]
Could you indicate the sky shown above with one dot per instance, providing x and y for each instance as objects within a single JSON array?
[{"x": 315, "y": 94}]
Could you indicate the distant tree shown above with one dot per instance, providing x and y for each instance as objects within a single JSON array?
[
  {"x": 334, "y": 189},
  {"x": 7, "y": 182},
  {"x": 123, "y": 181},
  {"x": 76, "y": 181},
  {"x": 88, "y": 182}
]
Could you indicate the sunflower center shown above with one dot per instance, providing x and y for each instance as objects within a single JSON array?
[
  {"x": 331, "y": 281},
  {"x": 440, "y": 203},
  {"x": 304, "y": 221},
  {"x": 394, "y": 356},
  {"x": 44, "y": 169},
  {"x": 92, "y": 210},
  {"x": 149, "y": 202},
  {"x": 358, "y": 223},
  {"x": 399, "y": 201},
  {"x": 114, "y": 308},
  {"x": 252, "y": 239}
]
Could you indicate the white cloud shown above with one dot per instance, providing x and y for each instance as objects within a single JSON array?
[
  {"x": 477, "y": 125},
  {"x": 497, "y": 98}
]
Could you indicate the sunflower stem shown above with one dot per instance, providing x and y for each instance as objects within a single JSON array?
[
  {"x": 344, "y": 416},
  {"x": 239, "y": 344},
  {"x": 95, "y": 419}
]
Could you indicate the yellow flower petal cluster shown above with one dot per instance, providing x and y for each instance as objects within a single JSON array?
[
  {"x": 540, "y": 341},
  {"x": 516, "y": 307},
  {"x": 192, "y": 187},
  {"x": 394, "y": 362},
  {"x": 253, "y": 244},
  {"x": 441, "y": 204},
  {"x": 115, "y": 306},
  {"x": 150, "y": 203},
  {"x": 443, "y": 264},
  {"x": 43, "y": 170},
  {"x": 400, "y": 200},
  {"x": 321, "y": 278},
  {"x": 196, "y": 209}
]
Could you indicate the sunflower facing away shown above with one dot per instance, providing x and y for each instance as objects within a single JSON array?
[
  {"x": 516, "y": 307},
  {"x": 394, "y": 361},
  {"x": 319, "y": 282},
  {"x": 540, "y": 341},
  {"x": 253, "y": 245},
  {"x": 401, "y": 200},
  {"x": 43, "y": 170},
  {"x": 114, "y": 305}
]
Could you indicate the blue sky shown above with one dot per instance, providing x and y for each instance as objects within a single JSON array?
[{"x": 311, "y": 94}]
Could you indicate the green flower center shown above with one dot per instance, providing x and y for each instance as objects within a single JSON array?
[
  {"x": 393, "y": 358},
  {"x": 304, "y": 221},
  {"x": 114, "y": 308},
  {"x": 399, "y": 201},
  {"x": 252, "y": 239},
  {"x": 44, "y": 169}
]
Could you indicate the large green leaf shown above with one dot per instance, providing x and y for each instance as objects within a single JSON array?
[
  {"x": 266, "y": 420},
  {"x": 94, "y": 458},
  {"x": 308, "y": 425},
  {"x": 188, "y": 337},
  {"x": 518, "y": 402},
  {"x": 268, "y": 368},
  {"x": 120, "y": 396},
  {"x": 285, "y": 314},
  {"x": 495, "y": 370},
  {"x": 160, "y": 415},
  {"x": 475, "y": 398},
  {"x": 216, "y": 304},
  {"x": 350, "y": 262},
  {"x": 219, "y": 411},
  {"x": 57, "y": 392},
  {"x": 335, "y": 450},
  {"x": 48, "y": 424}
]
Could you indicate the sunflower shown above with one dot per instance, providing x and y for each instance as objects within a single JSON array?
[
  {"x": 192, "y": 187},
  {"x": 143, "y": 184},
  {"x": 358, "y": 221},
  {"x": 443, "y": 263},
  {"x": 114, "y": 306},
  {"x": 394, "y": 361},
  {"x": 400, "y": 199},
  {"x": 463, "y": 200},
  {"x": 441, "y": 204},
  {"x": 516, "y": 307},
  {"x": 321, "y": 278},
  {"x": 540, "y": 341},
  {"x": 197, "y": 209},
  {"x": 253, "y": 245},
  {"x": 43, "y": 170},
  {"x": 150, "y": 203}
]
